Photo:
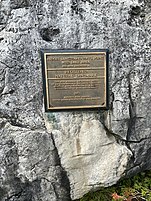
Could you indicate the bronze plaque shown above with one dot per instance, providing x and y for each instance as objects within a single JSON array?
[{"x": 75, "y": 79}]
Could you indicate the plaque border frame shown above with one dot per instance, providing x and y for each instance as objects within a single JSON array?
[{"x": 42, "y": 53}]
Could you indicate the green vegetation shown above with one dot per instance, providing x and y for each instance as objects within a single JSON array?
[
  {"x": 137, "y": 187},
  {"x": 51, "y": 117}
]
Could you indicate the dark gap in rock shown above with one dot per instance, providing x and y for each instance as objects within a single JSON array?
[
  {"x": 134, "y": 14},
  {"x": 65, "y": 183},
  {"x": 14, "y": 122},
  {"x": 11, "y": 91},
  {"x": 77, "y": 46},
  {"x": 135, "y": 10},
  {"x": 1, "y": 39},
  {"x": 147, "y": 159},
  {"x": 16, "y": 4},
  {"x": 74, "y": 6},
  {"x": 89, "y": 1},
  {"x": 132, "y": 120},
  {"x": 112, "y": 98},
  {"x": 76, "y": 9},
  {"x": 48, "y": 33},
  {"x": 129, "y": 22},
  {"x": 81, "y": 16}
]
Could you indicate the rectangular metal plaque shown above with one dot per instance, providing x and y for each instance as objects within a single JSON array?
[{"x": 75, "y": 79}]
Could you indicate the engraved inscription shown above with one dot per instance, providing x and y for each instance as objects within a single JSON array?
[{"x": 75, "y": 79}]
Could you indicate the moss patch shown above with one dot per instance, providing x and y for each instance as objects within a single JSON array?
[{"x": 137, "y": 187}]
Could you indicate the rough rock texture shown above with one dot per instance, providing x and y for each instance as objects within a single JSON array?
[{"x": 61, "y": 156}]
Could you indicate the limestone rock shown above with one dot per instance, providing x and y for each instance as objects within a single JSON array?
[
  {"x": 63, "y": 155},
  {"x": 91, "y": 157}
]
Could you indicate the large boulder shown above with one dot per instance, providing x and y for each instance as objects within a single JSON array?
[{"x": 59, "y": 156}]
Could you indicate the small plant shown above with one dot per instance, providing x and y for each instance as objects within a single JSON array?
[
  {"x": 115, "y": 196},
  {"x": 137, "y": 188}
]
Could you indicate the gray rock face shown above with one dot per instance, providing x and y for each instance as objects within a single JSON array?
[{"x": 61, "y": 156}]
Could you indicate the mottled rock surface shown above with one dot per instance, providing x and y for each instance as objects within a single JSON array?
[{"x": 61, "y": 156}]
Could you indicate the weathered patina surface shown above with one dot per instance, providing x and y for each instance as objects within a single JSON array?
[{"x": 75, "y": 79}]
